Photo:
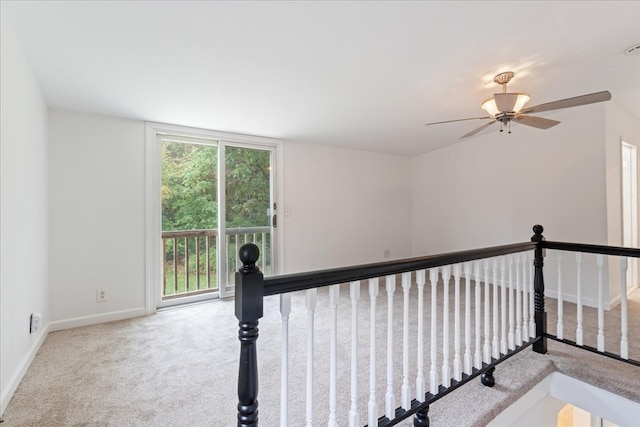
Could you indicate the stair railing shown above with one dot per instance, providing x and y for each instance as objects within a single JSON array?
[{"x": 506, "y": 315}]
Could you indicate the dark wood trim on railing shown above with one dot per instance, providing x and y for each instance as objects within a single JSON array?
[
  {"x": 540, "y": 316},
  {"x": 594, "y": 350},
  {"x": 309, "y": 280},
  {"x": 401, "y": 414},
  {"x": 249, "y": 309},
  {"x": 595, "y": 249}
]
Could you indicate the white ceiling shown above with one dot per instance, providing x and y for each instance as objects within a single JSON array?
[{"x": 366, "y": 75}]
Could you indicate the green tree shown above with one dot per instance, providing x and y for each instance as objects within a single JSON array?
[
  {"x": 247, "y": 187},
  {"x": 189, "y": 186}
]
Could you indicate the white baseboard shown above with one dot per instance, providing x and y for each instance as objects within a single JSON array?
[
  {"x": 59, "y": 325},
  {"x": 94, "y": 319},
  {"x": 589, "y": 302},
  {"x": 8, "y": 392}
]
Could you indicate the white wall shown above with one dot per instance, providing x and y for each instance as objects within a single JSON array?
[
  {"x": 23, "y": 214},
  {"x": 85, "y": 229},
  {"x": 540, "y": 405},
  {"x": 344, "y": 207},
  {"x": 96, "y": 217},
  {"x": 543, "y": 414},
  {"x": 492, "y": 189},
  {"x": 621, "y": 125}
]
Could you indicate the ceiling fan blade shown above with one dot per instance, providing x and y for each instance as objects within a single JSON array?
[
  {"x": 476, "y": 130},
  {"x": 570, "y": 102},
  {"x": 459, "y": 120},
  {"x": 536, "y": 122}
]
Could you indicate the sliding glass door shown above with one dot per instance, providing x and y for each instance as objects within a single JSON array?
[{"x": 215, "y": 197}]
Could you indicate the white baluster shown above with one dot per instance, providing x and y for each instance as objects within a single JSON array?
[
  {"x": 285, "y": 310},
  {"x": 354, "y": 293},
  {"x": 503, "y": 305},
  {"x": 495, "y": 347},
  {"x": 406, "y": 389},
  {"x": 532, "y": 322},
  {"x": 227, "y": 258},
  {"x": 311, "y": 297},
  {"x": 334, "y": 298},
  {"x": 600, "y": 340},
  {"x": 390, "y": 399},
  {"x": 263, "y": 244},
  {"x": 373, "y": 403},
  {"x": 486, "y": 353},
  {"x": 518, "y": 303},
  {"x": 446, "y": 370},
  {"x": 433, "y": 372},
  {"x": 560, "y": 326},
  {"x": 579, "y": 298},
  {"x": 457, "y": 363},
  {"x": 237, "y": 254},
  {"x": 468, "y": 363},
  {"x": 525, "y": 299},
  {"x": 624, "y": 344},
  {"x": 420, "y": 380},
  {"x": 477, "y": 357},
  {"x": 510, "y": 336}
]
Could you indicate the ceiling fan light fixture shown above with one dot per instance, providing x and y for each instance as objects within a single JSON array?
[
  {"x": 508, "y": 106},
  {"x": 489, "y": 105},
  {"x": 505, "y": 103}
]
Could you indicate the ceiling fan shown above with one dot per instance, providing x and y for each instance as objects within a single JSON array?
[{"x": 506, "y": 107}]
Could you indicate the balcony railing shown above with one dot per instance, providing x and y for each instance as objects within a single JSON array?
[
  {"x": 236, "y": 237},
  {"x": 190, "y": 264}
]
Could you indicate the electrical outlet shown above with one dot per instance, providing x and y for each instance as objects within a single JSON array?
[
  {"x": 101, "y": 295},
  {"x": 387, "y": 253},
  {"x": 36, "y": 322}
]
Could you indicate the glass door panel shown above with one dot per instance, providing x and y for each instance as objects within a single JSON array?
[
  {"x": 189, "y": 217},
  {"x": 248, "y": 204}
]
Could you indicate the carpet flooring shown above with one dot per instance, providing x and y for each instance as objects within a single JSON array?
[{"x": 179, "y": 367}]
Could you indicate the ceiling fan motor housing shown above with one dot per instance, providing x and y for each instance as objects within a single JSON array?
[
  {"x": 510, "y": 102},
  {"x": 505, "y": 118}
]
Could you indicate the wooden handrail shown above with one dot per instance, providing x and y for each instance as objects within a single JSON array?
[
  {"x": 595, "y": 249},
  {"x": 296, "y": 282},
  {"x": 189, "y": 233}
]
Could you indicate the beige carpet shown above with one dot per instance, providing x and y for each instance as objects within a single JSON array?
[{"x": 179, "y": 368}]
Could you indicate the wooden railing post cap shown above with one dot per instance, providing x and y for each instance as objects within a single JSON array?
[
  {"x": 249, "y": 285},
  {"x": 537, "y": 236},
  {"x": 249, "y": 254}
]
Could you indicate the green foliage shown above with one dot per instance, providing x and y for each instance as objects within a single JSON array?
[
  {"x": 189, "y": 186},
  {"x": 247, "y": 181}
]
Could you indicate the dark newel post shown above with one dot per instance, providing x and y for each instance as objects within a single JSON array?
[
  {"x": 421, "y": 418},
  {"x": 249, "y": 294},
  {"x": 539, "y": 346},
  {"x": 487, "y": 378}
]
